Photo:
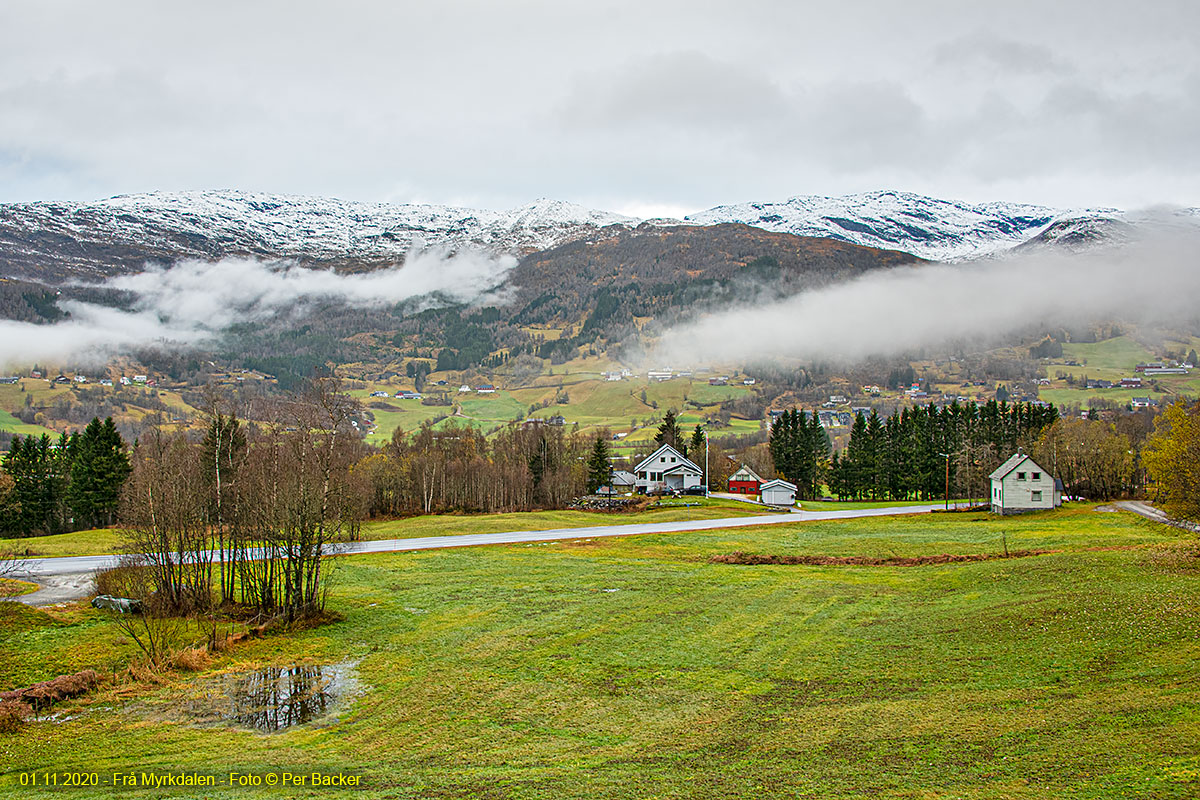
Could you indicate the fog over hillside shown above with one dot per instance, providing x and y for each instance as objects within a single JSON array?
[
  {"x": 193, "y": 302},
  {"x": 901, "y": 310}
]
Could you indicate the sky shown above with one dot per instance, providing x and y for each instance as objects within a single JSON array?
[{"x": 646, "y": 108}]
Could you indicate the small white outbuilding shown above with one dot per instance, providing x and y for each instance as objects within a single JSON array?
[
  {"x": 778, "y": 493},
  {"x": 1020, "y": 485}
]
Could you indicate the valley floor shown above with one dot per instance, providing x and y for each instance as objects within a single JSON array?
[{"x": 636, "y": 667}]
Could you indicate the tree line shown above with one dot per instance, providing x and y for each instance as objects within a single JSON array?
[
  {"x": 55, "y": 486},
  {"x": 454, "y": 467},
  {"x": 910, "y": 454}
]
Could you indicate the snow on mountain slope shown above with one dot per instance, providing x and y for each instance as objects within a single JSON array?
[
  {"x": 56, "y": 241},
  {"x": 119, "y": 233},
  {"x": 939, "y": 230}
]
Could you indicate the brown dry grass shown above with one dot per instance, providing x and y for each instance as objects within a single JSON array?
[
  {"x": 13, "y": 715},
  {"x": 751, "y": 559},
  {"x": 45, "y": 694}
]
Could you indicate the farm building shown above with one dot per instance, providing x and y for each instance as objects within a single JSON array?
[
  {"x": 778, "y": 493},
  {"x": 1019, "y": 485},
  {"x": 621, "y": 483},
  {"x": 667, "y": 470},
  {"x": 745, "y": 481}
]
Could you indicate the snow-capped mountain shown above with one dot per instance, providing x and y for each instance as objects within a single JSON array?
[
  {"x": 121, "y": 233},
  {"x": 938, "y": 230},
  {"x": 55, "y": 241}
]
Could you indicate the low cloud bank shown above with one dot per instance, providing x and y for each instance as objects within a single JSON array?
[
  {"x": 192, "y": 302},
  {"x": 901, "y": 310}
]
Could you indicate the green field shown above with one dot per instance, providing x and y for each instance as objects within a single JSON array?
[
  {"x": 107, "y": 540},
  {"x": 634, "y": 667},
  {"x": 1118, "y": 353},
  {"x": 13, "y": 425}
]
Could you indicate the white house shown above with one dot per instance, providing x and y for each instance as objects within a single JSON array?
[
  {"x": 778, "y": 493},
  {"x": 666, "y": 470},
  {"x": 1019, "y": 485}
]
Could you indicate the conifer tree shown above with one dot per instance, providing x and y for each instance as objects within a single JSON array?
[
  {"x": 599, "y": 466},
  {"x": 669, "y": 433}
]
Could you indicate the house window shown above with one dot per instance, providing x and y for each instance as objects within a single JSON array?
[
  {"x": 1035, "y": 497},
  {"x": 1020, "y": 476},
  {"x": 1037, "y": 476},
  {"x": 672, "y": 459}
]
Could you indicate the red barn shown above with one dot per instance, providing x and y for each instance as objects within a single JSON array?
[{"x": 744, "y": 481}]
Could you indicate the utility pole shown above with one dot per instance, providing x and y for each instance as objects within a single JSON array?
[
  {"x": 947, "y": 457},
  {"x": 706, "y": 488}
]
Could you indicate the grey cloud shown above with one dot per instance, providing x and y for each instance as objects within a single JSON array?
[{"x": 984, "y": 49}]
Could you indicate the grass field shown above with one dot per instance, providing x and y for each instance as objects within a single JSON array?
[
  {"x": 107, "y": 540},
  {"x": 634, "y": 667},
  {"x": 1118, "y": 353},
  {"x": 13, "y": 425}
]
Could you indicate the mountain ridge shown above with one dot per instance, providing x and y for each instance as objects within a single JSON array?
[{"x": 53, "y": 241}]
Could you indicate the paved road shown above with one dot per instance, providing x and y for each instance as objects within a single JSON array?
[
  {"x": 68, "y": 578},
  {"x": 1143, "y": 509}
]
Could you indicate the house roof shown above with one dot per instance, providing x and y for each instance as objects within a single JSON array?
[
  {"x": 1013, "y": 462},
  {"x": 623, "y": 478},
  {"x": 778, "y": 483},
  {"x": 688, "y": 467},
  {"x": 745, "y": 474},
  {"x": 670, "y": 450}
]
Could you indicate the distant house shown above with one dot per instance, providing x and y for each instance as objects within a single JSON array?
[
  {"x": 1020, "y": 485},
  {"x": 106, "y": 382},
  {"x": 464, "y": 388},
  {"x": 37, "y": 373},
  {"x": 124, "y": 381},
  {"x": 718, "y": 381},
  {"x": 379, "y": 394},
  {"x": 9, "y": 380},
  {"x": 1141, "y": 402},
  {"x": 139, "y": 378},
  {"x": 745, "y": 481},
  {"x": 81, "y": 379},
  {"x": 1131, "y": 383},
  {"x": 778, "y": 493},
  {"x": 486, "y": 388},
  {"x": 747, "y": 381},
  {"x": 837, "y": 399},
  {"x": 409, "y": 395},
  {"x": 667, "y": 470},
  {"x": 622, "y": 482},
  {"x": 659, "y": 374}
]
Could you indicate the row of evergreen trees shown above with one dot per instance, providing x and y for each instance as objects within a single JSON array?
[
  {"x": 914, "y": 453},
  {"x": 68, "y": 484},
  {"x": 799, "y": 448}
]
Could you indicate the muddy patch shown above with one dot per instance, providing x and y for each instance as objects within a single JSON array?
[{"x": 272, "y": 699}]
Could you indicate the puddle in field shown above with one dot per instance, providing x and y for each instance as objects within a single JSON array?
[{"x": 273, "y": 698}]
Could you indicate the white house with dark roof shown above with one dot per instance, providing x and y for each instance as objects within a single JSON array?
[
  {"x": 667, "y": 470},
  {"x": 1020, "y": 485},
  {"x": 778, "y": 493}
]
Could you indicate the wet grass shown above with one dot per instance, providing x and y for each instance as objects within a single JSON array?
[{"x": 633, "y": 667}]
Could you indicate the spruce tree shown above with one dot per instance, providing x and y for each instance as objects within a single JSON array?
[
  {"x": 599, "y": 466},
  {"x": 669, "y": 433}
]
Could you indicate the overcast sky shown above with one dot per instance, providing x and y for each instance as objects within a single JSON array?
[{"x": 642, "y": 107}]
